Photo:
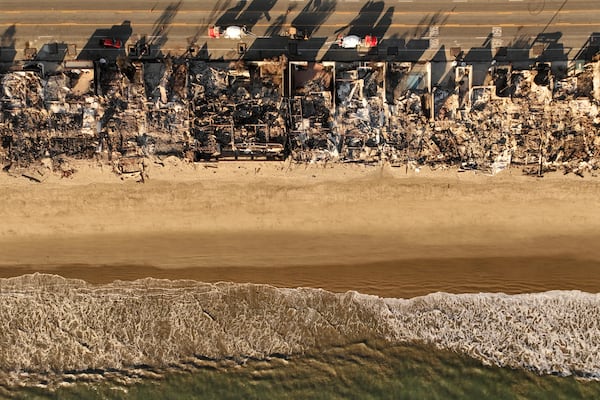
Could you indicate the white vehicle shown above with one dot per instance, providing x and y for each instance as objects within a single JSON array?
[
  {"x": 231, "y": 32},
  {"x": 354, "y": 42},
  {"x": 349, "y": 42}
]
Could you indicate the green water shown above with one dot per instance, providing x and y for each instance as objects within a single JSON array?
[{"x": 359, "y": 371}]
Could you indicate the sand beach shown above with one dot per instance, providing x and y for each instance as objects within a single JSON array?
[{"x": 393, "y": 232}]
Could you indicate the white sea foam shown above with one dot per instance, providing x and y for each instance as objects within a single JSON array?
[{"x": 50, "y": 326}]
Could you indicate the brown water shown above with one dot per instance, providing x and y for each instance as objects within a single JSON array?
[
  {"x": 56, "y": 331},
  {"x": 401, "y": 278}
]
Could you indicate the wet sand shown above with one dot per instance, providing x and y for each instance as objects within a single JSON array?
[
  {"x": 384, "y": 231},
  {"x": 398, "y": 279}
]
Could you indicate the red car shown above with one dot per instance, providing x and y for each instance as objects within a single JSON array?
[
  {"x": 214, "y": 32},
  {"x": 114, "y": 43},
  {"x": 370, "y": 41}
]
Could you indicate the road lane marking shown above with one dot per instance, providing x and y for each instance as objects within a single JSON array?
[
  {"x": 293, "y": 13},
  {"x": 107, "y": 25},
  {"x": 142, "y": 26}
]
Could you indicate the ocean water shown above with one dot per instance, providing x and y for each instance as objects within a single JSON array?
[
  {"x": 359, "y": 371},
  {"x": 154, "y": 338}
]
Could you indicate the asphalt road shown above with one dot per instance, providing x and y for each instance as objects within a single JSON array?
[{"x": 415, "y": 28}]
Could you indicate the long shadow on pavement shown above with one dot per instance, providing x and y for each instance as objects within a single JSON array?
[
  {"x": 305, "y": 46},
  {"x": 95, "y": 49},
  {"x": 313, "y": 15},
  {"x": 7, "y": 45},
  {"x": 160, "y": 30},
  {"x": 249, "y": 16},
  {"x": 151, "y": 46},
  {"x": 590, "y": 48},
  {"x": 370, "y": 20}
]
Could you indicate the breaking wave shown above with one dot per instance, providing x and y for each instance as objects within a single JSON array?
[{"x": 52, "y": 328}]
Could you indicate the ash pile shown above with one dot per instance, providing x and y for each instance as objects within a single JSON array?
[
  {"x": 310, "y": 112},
  {"x": 142, "y": 113},
  {"x": 410, "y": 131},
  {"x": 236, "y": 110},
  {"x": 533, "y": 119},
  {"x": 46, "y": 116},
  {"x": 530, "y": 119},
  {"x": 131, "y": 113},
  {"x": 361, "y": 113},
  {"x": 143, "y": 109}
]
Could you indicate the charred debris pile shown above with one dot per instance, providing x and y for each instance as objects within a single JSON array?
[
  {"x": 236, "y": 110},
  {"x": 129, "y": 113}
]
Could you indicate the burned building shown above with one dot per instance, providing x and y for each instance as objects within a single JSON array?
[
  {"x": 534, "y": 118},
  {"x": 312, "y": 133},
  {"x": 43, "y": 116},
  {"x": 361, "y": 110},
  {"x": 236, "y": 109},
  {"x": 165, "y": 130}
]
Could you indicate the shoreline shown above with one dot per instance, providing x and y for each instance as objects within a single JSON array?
[
  {"x": 118, "y": 327},
  {"x": 401, "y": 279}
]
